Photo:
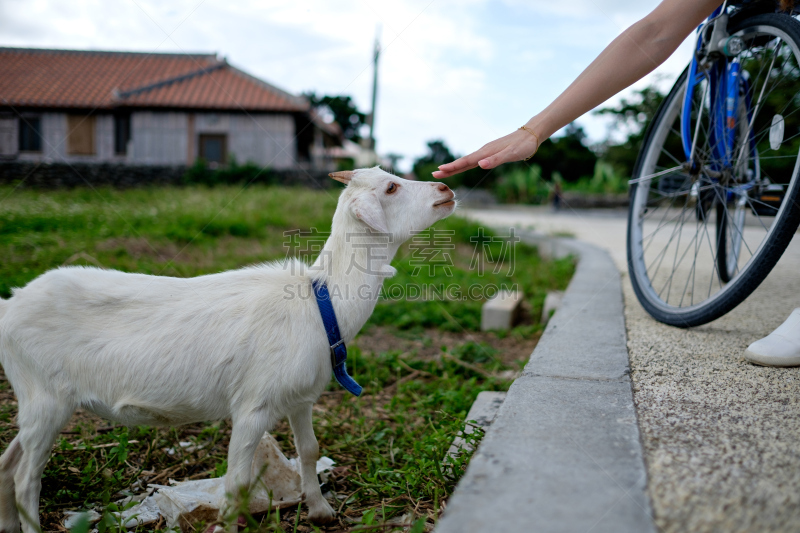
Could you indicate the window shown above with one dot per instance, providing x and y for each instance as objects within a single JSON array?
[
  {"x": 122, "y": 133},
  {"x": 213, "y": 148},
  {"x": 80, "y": 135},
  {"x": 30, "y": 134}
]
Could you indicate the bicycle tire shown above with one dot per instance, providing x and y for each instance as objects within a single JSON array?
[
  {"x": 778, "y": 235},
  {"x": 731, "y": 226},
  {"x": 726, "y": 244}
]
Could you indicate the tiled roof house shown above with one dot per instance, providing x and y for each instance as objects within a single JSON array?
[{"x": 148, "y": 109}]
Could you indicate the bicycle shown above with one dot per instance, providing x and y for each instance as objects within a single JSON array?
[{"x": 714, "y": 192}]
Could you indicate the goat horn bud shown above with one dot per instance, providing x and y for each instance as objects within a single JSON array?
[{"x": 343, "y": 175}]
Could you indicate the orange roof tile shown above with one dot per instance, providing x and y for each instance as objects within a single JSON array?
[{"x": 104, "y": 80}]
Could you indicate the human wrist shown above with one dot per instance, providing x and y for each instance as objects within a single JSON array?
[{"x": 540, "y": 127}]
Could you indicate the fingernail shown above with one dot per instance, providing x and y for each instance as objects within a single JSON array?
[{"x": 483, "y": 162}]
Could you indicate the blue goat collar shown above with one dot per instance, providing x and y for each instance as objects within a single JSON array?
[{"x": 335, "y": 340}]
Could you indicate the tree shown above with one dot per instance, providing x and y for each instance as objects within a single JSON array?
[
  {"x": 439, "y": 153},
  {"x": 631, "y": 116},
  {"x": 344, "y": 111},
  {"x": 567, "y": 155}
]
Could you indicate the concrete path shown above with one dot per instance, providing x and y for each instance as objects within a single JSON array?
[{"x": 721, "y": 436}]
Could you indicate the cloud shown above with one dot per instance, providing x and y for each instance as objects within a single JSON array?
[{"x": 465, "y": 71}]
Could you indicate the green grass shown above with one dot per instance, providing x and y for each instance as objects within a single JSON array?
[
  {"x": 527, "y": 185},
  {"x": 388, "y": 445},
  {"x": 169, "y": 231},
  {"x": 523, "y": 269}
]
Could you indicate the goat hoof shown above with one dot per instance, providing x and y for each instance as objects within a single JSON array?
[
  {"x": 214, "y": 527},
  {"x": 321, "y": 514}
]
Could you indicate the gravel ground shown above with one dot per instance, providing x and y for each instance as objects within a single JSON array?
[{"x": 721, "y": 436}]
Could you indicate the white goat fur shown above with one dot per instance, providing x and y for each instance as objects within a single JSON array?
[{"x": 150, "y": 350}]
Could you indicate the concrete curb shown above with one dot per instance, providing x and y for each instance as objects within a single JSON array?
[{"x": 564, "y": 453}]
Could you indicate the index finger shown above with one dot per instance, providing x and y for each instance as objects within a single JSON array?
[
  {"x": 470, "y": 160},
  {"x": 460, "y": 164},
  {"x": 441, "y": 174}
]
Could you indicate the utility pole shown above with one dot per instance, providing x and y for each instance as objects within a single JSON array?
[{"x": 375, "y": 56}]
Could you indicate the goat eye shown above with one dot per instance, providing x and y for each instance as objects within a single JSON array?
[{"x": 392, "y": 188}]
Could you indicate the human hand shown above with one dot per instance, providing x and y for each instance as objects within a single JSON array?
[{"x": 515, "y": 146}]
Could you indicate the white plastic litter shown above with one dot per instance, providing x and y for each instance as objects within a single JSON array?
[
  {"x": 188, "y": 502},
  {"x": 146, "y": 512},
  {"x": 193, "y": 501},
  {"x": 71, "y": 518},
  {"x": 188, "y": 447}
]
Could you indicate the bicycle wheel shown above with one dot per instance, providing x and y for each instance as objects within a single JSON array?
[{"x": 684, "y": 272}]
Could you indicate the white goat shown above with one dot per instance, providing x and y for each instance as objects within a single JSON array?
[{"x": 247, "y": 344}]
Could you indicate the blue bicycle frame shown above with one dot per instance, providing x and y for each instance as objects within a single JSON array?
[{"x": 724, "y": 78}]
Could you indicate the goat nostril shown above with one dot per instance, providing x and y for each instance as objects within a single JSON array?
[{"x": 442, "y": 187}]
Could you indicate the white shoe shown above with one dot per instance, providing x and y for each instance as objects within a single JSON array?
[{"x": 779, "y": 348}]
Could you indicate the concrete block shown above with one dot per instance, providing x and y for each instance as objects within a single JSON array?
[
  {"x": 501, "y": 311},
  {"x": 482, "y": 412},
  {"x": 551, "y": 304}
]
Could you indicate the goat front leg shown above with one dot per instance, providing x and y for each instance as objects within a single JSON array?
[
  {"x": 40, "y": 421},
  {"x": 319, "y": 510},
  {"x": 245, "y": 436},
  {"x": 9, "y": 517}
]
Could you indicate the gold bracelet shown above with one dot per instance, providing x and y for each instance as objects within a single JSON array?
[{"x": 526, "y": 128}]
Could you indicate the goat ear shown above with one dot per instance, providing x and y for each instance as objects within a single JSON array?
[
  {"x": 368, "y": 209},
  {"x": 344, "y": 176}
]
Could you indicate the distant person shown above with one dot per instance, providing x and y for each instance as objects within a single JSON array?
[
  {"x": 557, "y": 196},
  {"x": 629, "y": 57}
]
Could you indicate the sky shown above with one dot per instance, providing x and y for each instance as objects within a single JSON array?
[{"x": 465, "y": 71}]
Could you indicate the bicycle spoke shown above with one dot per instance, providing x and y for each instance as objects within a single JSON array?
[
  {"x": 675, "y": 265},
  {"x": 739, "y": 232},
  {"x": 666, "y": 247},
  {"x": 714, "y": 259},
  {"x": 677, "y": 249},
  {"x": 656, "y": 174}
]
